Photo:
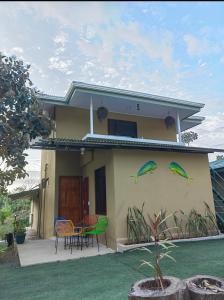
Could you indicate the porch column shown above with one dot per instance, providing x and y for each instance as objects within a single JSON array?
[
  {"x": 178, "y": 129},
  {"x": 91, "y": 115}
]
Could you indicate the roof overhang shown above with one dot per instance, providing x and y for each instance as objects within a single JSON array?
[
  {"x": 191, "y": 122},
  {"x": 91, "y": 144},
  {"x": 31, "y": 194},
  {"x": 124, "y": 102},
  {"x": 217, "y": 165}
]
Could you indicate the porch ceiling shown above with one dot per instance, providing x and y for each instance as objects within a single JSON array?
[
  {"x": 92, "y": 143},
  {"x": 123, "y": 101}
]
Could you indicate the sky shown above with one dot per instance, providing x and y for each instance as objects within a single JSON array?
[{"x": 164, "y": 48}]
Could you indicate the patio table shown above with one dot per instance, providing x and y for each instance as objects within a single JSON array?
[{"x": 82, "y": 228}]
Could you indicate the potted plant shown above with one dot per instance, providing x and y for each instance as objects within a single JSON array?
[
  {"x": 159, "y": 287},
  {"x": 204, "y": 287},
  {"x": 20, "y": 230}
]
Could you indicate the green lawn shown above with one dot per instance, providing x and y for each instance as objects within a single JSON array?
[{"x": 105, "y": 277}]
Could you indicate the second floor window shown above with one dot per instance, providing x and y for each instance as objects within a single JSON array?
[{"x": 122, "y": 128}]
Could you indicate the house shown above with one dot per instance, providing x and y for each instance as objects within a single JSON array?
[{"x": 102, "y": 137}]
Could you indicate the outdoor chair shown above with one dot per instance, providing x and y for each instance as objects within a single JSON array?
[
  {"x": 66, "y": 230},
  {"x": 90, "y": 220},
  {"x": 98, "y": 229}
]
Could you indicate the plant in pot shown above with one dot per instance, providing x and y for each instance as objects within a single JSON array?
[
  {"x": 20, "y": 230},
  {"x": 159, "y": 286},
  {"x": 205, "y": 287}
]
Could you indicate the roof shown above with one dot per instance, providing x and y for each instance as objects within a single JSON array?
[
  {"x": 125, "y": 102},
  {"x": 217, "y": 164},
  {"x": 96, "y": 143},
  {"x": 25, "y": 194},
  {"x": 121, "y": 92}
]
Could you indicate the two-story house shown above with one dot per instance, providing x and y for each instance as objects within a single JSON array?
[{"x": 102, "y": 137}]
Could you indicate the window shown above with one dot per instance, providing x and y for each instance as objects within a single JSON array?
[
  {"x": 100, "y": 191},
  {"x": 122, "y": 128}
]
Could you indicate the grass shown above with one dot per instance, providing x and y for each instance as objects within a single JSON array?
[{"x": 105, "y": 277}]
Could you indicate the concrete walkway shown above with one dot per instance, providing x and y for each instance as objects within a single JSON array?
[{"x": 43, "y": 251}]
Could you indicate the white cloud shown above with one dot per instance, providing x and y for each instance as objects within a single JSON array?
[
  {"x": 211, "y": 133},
  {"x": 120, "y": 33},
  {"x": 39, "y": 70},
  {"x": 73, "y": 15},
  {"x": 16, "y": 50},
  {"x": 61, "y": 39},
  {"x": 198, "y": 46},
  {"x": 56, "y": 63}
]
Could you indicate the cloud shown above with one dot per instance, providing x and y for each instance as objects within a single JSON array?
[
  {"x": 56, "y": 63},
  {"x": 39, "y": 70},
  {"x": 130, "y": 33},
  {"x": 17, "y": 50},
  {"x": 61, "y": 39},
  {"x": 73, "y": 15},
  {"x": 198, "y": 46},
  {"x": 211, "y": 133}
]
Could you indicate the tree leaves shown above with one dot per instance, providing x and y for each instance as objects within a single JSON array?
[
  {"x": 21, "y": 119},
  {"x": 189, "y": 136}
]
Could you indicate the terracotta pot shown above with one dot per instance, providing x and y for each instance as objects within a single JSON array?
[
  {"x": 196, "y": 293},
  {"x": 175, "y": 291}
]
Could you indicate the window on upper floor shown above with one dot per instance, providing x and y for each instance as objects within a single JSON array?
[{"x": 122, "y": 128}]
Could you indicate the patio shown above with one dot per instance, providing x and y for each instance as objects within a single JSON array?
[
  {"x": 105, "y": 277},
  {"x": 34, "y": 252}
]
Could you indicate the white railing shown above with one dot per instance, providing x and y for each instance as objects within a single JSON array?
[{"x": 130, "y": 139}]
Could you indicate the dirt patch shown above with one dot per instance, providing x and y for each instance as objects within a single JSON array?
[
  {"x": 153, "y": 285},
  {"x": 10, "y": 257}
]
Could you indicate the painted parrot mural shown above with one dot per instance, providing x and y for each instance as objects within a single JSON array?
[
  {"x": 176, "y": 168},
  {"x": 148, "y": 167}
]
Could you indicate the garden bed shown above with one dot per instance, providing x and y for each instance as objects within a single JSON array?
[{"x": 9, "y": 257}]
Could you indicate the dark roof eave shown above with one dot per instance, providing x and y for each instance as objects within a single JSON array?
[{"x": 74, "y": 145}]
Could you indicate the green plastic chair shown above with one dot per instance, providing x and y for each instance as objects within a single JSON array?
[{"x": 99, "y": 228}]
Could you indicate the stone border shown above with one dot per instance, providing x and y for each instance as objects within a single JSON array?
[{"x": 122, "y": 247}]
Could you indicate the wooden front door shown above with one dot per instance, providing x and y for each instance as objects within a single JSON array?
[
  {"x": 70, "y": 205},
  {"x": 85, "y": 196}
]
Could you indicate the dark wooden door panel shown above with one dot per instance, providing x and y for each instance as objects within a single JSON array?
[
  {"x": 70, "y": 198},
  {"x": 85, "y": 196}
]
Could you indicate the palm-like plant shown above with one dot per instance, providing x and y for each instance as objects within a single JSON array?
[{"x": 161, "y": 249}]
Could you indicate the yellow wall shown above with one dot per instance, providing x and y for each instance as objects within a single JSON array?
[
  {"x": 98, "y": 159},
  {"x": 74, "y": 123},
  {"x": 162, "y": 189},
  {"x": 34, "y": 212},
  {"x": 48, "y": 195}
]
